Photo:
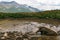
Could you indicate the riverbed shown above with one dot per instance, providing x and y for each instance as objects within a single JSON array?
[{"x": 28, "y": 25}]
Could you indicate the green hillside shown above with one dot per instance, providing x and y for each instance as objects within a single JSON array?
[{"x": 53, "y": 14}]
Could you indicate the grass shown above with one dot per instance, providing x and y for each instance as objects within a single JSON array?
[{"x": 53, "y": 14}]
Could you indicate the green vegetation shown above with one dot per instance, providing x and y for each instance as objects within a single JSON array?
[{"x": 54, "y": 14}]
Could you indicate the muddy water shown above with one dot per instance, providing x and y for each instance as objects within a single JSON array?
[{"x": 16, "y": 24}]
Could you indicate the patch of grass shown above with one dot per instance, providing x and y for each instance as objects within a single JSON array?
[{"x": 53, "y": 14}]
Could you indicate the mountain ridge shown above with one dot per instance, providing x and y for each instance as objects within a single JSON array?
[{"x": 15, "y": 7}]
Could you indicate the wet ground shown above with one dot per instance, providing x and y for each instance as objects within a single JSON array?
[
  {"x": 8, "y": 26},
  {"x": 19, "y": 36}
]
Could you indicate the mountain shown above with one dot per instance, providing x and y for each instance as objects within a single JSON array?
[{"x": 15, "y": 7}]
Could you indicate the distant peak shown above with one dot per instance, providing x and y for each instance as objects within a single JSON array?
[
  {"x": 8, "y": 2},
  {"x": 13, "y": 2}
]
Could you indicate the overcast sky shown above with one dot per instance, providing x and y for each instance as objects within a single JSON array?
[{"x": 41, "y": 4}]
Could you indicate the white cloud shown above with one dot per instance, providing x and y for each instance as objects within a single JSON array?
[
  {"x": 50, "y": 2},
  {"x": 40, "y": 4},
  {"x": 7, "y": 0},
  {"x": 30, "y": 2}
]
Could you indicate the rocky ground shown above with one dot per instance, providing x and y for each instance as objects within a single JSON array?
[
  {"x": 20, "y": 30},
  {"x": 13, "y": 36},
  {"x": 19, "y": 36}
]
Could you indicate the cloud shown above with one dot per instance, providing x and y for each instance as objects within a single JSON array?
[
  {"x": 7, "y": 0},
  {"x": 33, "y": 2},
  {"x": 40, "y": 4},
  {"x": 50, "y": 2}
]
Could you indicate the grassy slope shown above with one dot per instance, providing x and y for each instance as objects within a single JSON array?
[{"x": 54, "y": 14}]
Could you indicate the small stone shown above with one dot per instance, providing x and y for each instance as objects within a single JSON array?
[
  {"x": 2, "y": 37},
  {"x": 5, "y": 34}
]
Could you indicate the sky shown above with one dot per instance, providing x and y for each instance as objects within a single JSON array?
[{"x": 40, "y": 4}]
